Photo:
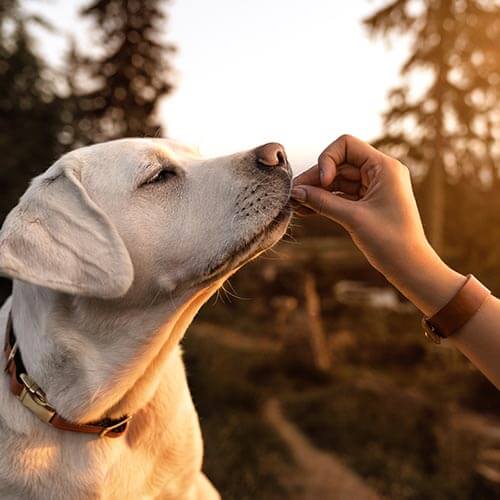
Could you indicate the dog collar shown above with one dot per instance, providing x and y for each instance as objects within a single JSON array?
[{"x": 33, "y": 397}]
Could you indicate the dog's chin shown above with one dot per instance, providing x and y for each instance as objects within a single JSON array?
[{"x": 262, "y": 241}]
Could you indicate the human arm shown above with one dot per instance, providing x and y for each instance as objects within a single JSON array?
[{"x": 370, "y": 195}]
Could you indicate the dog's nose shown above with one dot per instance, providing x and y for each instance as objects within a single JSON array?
[{"x": 271, "y": 154}]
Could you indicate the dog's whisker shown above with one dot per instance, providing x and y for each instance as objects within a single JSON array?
[{"x": 234, "y": 293}]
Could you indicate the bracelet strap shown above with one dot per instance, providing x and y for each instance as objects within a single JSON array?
[{"x": 458, "y": 311}]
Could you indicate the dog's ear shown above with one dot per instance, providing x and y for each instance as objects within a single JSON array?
[{"x": 58, "y": 238}]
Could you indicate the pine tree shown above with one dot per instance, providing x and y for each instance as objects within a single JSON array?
[
  {"x": 131, "y": 76},
  {"x": 450, "y": 131},
  {"x": 29, "y": 112}
]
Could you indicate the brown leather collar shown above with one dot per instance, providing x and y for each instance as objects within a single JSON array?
[{"x": 33, "y": 398}]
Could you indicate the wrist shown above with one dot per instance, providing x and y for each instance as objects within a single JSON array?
[{"x": 427, "y": 281}]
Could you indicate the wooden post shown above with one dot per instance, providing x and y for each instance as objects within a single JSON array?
[{"x": 321, "y": 354}]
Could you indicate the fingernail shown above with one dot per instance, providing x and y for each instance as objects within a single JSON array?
[{"x": 299, "y": 194}]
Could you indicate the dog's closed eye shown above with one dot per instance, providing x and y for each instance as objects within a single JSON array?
[{"x": 163, "y": 175}]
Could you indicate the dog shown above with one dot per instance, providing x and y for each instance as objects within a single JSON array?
[{"x": 112, "y": 252}]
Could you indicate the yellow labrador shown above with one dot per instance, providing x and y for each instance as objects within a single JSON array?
[{"x": 112, "y": 252}]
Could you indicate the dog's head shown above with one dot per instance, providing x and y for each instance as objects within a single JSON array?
[{"x": 145, "y": 214}]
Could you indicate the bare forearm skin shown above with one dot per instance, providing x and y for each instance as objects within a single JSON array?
[{"x": 479, "y": 339}]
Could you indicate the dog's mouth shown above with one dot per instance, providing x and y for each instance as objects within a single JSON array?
[{"x": 267, "y": 237}]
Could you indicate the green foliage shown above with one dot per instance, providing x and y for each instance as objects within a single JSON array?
[
  {"x": 30, "y": 110},
  {"x": 472, "y": 220},
  {"x": 448, "y": 131},
  {"x": 456, "y": 118},
  {"x": 116, "y": 94}
]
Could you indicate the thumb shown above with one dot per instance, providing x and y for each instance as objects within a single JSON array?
[{"x": 325, "y": 203}]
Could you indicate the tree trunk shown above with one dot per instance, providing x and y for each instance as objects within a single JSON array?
[
  {"x": 436, "y": 176},
  {"x": 436, "y": 204}
]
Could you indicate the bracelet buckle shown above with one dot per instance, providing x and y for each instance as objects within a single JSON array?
[{"x": 431, "y": 332}]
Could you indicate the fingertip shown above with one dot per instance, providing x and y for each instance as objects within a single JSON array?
[{"x": 299, "y": 193}]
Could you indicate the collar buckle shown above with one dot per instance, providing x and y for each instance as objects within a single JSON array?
[{"x": 33, "y": 398}]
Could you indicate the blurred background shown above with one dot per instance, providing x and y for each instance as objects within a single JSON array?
[{"x": 310, "y": 373}]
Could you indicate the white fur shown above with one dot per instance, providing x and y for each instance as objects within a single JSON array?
[{"x": 108, "y": 274}]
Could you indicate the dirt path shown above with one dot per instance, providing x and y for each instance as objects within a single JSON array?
[{"x": 324, "y": 477}]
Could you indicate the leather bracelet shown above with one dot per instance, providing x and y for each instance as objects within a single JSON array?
[{"x": 458, "y": 311}]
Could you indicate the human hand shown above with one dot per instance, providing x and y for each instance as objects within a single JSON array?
[{"x": 370, "y": 195}]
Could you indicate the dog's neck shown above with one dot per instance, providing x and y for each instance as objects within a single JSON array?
[{"x": 99, "y": 360}]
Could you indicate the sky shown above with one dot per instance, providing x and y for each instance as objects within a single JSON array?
[{"x": 247, "y": 72}]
